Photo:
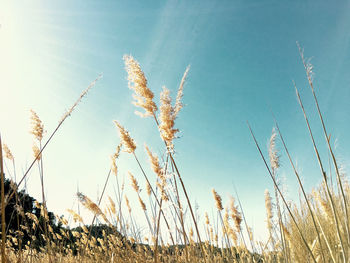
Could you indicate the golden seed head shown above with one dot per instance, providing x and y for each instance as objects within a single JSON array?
[
  {"x": 85, "y": 229},
  {"x": 143, "y": 205},
  {"x": 154, "y": 162},
  {"x": 137, "y": 81},
  {"x": 218, "y": 201},
  {"x": 235, "y": 215},
  {"x": 148, "y": 189},
  {"x": 114, "y": 158},
  {"x": 36, "y": 152},
  {"x": 37, "y": 126},
  {"x": 90, "y": 205},
  {"x": 127, "y": 141},
  {"x": 286, "y": 232},
  {"x": 191, "y": 232},
  {"x": 114, "y": 167},
  {"x": 327, "y": 211},
  {"x": 161, "y": 184},
  {"x": 7, "y": 152},
  {"x": 127, "y": 203},
  {"x": 112, "y": 205},
  {"x": 134, "y": 183},
  {"x": 167, "y": 118},
  {"x": 33, "y": 218},
  {"x": 206, "y": 218},
  {"x": 76, "y": 217},
  {"x": 226, "y": 219}
]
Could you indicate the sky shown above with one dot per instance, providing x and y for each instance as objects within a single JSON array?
[{"x": 243, "y": 57}]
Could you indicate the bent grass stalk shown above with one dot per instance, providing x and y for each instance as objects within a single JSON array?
[
  {"x": 245, "y": 222},
  {"x": 308, "y": 69},
  {"x": 156, "y": 198},
  {"x": 302, "y": 190},
  {"x": 185, "y": 192},
  {"x": 279, "y": 191},
  {"x": 329, "y": 194},
  {"x": 65, "y": 116},
  {"x": 144, "y": 99}
]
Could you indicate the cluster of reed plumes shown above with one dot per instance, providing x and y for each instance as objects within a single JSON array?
[{"x": 315, "y": 230}]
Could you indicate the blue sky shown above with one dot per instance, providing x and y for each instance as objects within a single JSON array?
[{"x": 243, "y": 58}]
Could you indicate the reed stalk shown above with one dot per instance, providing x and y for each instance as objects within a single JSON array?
[
  {"x": 65, "y": 116},
  {"x": 329, "y": 194},
  {"x": 308, "y": 70},
  {"x": 280, "y": 193},
  {"x": 301, "y": 188}
]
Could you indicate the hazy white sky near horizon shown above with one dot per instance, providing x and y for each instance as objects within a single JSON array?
[{"x": 243, "y": 59}]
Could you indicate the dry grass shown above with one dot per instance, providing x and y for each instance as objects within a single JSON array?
[{"x": 316, "y": 230}]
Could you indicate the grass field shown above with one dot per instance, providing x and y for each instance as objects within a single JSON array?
[{"x": 313, "y": 229}]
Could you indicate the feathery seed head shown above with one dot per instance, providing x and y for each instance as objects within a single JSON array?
[
  {"x": 235, "y": 215},
  {"x": 125, "y": 138},
  {"x": 167, "y": 118},
  {"x": 127, "y": 203},
  {"x": 37, "y": 126},
  {"x": 36, "y": 152},
  {"x": 137, "y": 81},
  {"x": 286, "y": 232},
  {"x": 178, "y": 103},
  {"x": 134, "y": 183},
  {"x": 218, "y": 200},
  {"x": 274, "y": 158},
  {"x": 7, "y": 152},
  {"x": 154, "y": 162},
  {"x": 112, "y": 205},
  {"x": 90, "y": 205},
  {"x": 161, "y": 184},
  {"x": 114, "y": 158},
  {"x": 148, "y": 189},
  {"x": 33, "y": 218},
  {"x": 114, "y": 167},
  {"x": 143, "y": 205},
  {"x": 206, "y": 218}
]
